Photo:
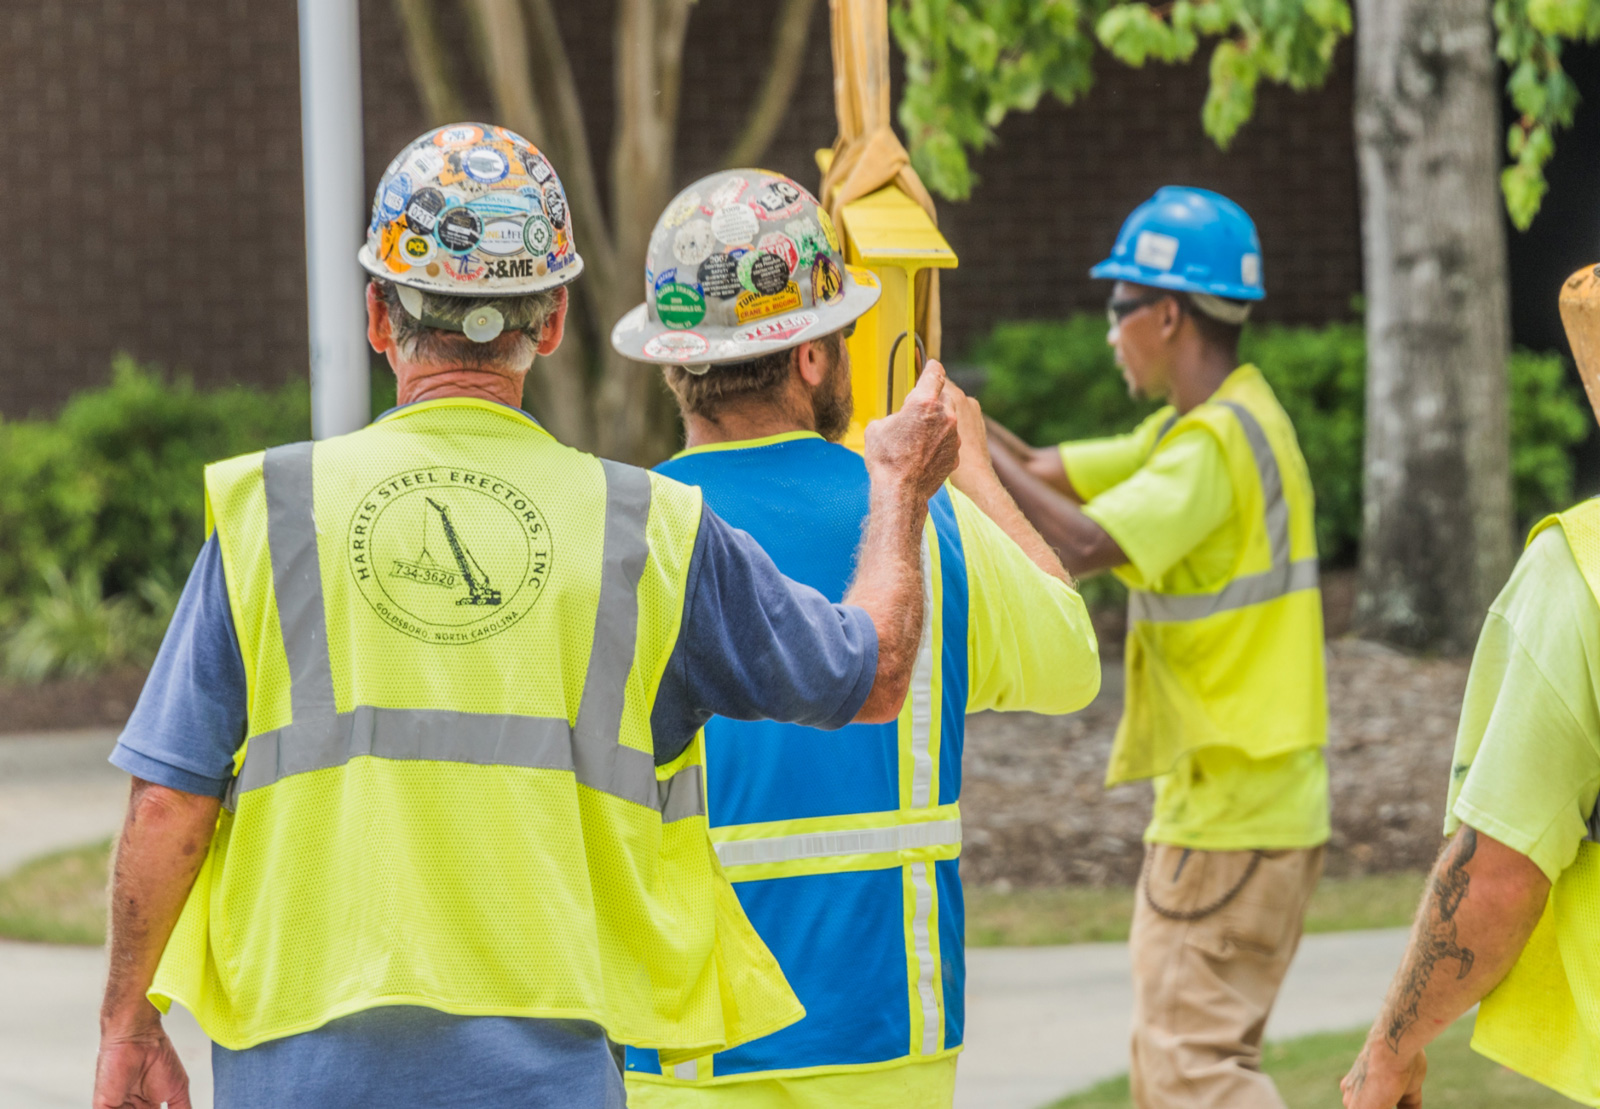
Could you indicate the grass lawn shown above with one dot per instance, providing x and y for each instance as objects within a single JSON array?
[
  {"x": 1029, "y": 917},
  {"x": 1308, "y": 1070},
  {"x": 60, "y": 898}
]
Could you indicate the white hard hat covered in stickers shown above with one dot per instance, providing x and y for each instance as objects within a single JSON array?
[
  {"x": 471, "y": 210},
  {"x": 742, "y": 263}
]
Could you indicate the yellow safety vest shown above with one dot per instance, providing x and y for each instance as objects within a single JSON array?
[
  {"x": 1543, "y": 1019},
  {"x": 1239, "y": 664},
  {"x": 453, "y": 628}
]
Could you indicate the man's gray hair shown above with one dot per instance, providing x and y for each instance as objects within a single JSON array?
[
  {"x": 513, "y": 349},
  {"x": 707, "y": 393}
]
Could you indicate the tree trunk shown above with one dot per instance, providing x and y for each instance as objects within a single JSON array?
[{"x": 1437, "y": 530}]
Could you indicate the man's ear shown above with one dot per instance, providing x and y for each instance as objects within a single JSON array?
[
  {"x": 811, "y": 359},
  {"x": 556, "y": 325},
  {"x": 1169, "y": 317},
  {"x": 379, "y": 332}
]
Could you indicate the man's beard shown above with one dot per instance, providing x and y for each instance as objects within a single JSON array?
[{"x": 832, "y": 403}]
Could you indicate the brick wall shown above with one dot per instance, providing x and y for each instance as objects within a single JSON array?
[{"x": 153, "y": 187}]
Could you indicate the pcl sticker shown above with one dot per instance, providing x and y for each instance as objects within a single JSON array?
[
  {"x": 735, "y": 223},
  {"x": 679, "y": 346},
  {"x": 422, "y": 214},
  {"x": 693, "y": 242},
  {"x": 393, "y": 199},
  {"x": 486, "y": 165},
  {"x": 537, "y": 234},
  {"x": 502, "y": 238},
  {"x": 750, "y": 306},
  {"x": 680, "y": 306},
  {"x": 719, "y": 276},
  {"x": 450, "y": 137},
  {"x": 777, "y": 243},
  {"x": 780, "y": 199},
  {"x": 780, "y": 330},
  {"x": 459, "y": 230},
  {"x": 555, "y": 205},
  {"x": 416, "y": 249},
  {"x": 727, "y": 192},
  {"x": 827, "y": 283}
]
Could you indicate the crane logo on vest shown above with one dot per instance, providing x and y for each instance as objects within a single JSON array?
[{"x": 449, "y": 555}]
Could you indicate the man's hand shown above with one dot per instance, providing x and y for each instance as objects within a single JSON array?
[
  {"x": 974, "y": 470},
  {"x": 917, "y": 447},
  {"x": 1381, "y": 1080},
  {"x": 139, "y": 1071}
]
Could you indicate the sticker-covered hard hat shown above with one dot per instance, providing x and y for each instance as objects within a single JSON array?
[
  {"x": 742, "y": 263},
  {"x": 1190, "y": 240},
  {"x": 471, "y": 210}
]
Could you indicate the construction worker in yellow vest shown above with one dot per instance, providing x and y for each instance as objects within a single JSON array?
[
  {"x": 418, "y": 813},
  {"x": 1511, "y": 914},
  {"x": 1205, "y": 512}
]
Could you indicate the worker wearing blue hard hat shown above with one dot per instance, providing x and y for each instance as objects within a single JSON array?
[{"x": 1205, "y": 512}]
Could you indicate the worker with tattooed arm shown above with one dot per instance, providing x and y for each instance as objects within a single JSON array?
[{"x": 1512, "y": 910}]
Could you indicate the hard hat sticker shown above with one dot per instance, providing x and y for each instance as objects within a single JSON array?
[
  {"x": 417, "y": 249},
  {"x": 422, "y": 213},
  {"x": 763, "y": 273},
  {"x": 485, "y": 165},
  {"x": 781, "y": 330},
  {"x": 1155, "y": 250},
  {"x": 501, "y": 204},
  {"x": 776, "y": 242},
  {"x": 459, "y": 230},
  {"x": 727, "y": 192},
  {"x": 464, "y": 135},
  {"x": 719, "y": 276},
  {"x": 827, "y": 229},
  {"x": 449, "y": 555},
  {"x": 693, "y": 242},
  {"x": 808, "y": 238},
  {"x": 680, "y": 306},
  {"x": 681, "y": 209},
  {"x": 679, "y": 346},
  {"x": 392, "y": 201},
  {"x": 780, "y": 199},
  {"x": 754, "y": 306},
  {"x": 502, "y": 238},
  {"x": 827, "y": 283},
  {"x": 1250, "y": 269},
  {"x": 555, "y": 205},
  {"x": 863, "y": 276},
  {"x": 735, "y": 224}
]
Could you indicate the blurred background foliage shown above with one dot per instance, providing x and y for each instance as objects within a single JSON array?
[{"x": 1055, "y": 380}]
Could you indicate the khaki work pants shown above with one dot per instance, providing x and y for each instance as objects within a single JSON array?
[{"x": 1207, "y": 965}]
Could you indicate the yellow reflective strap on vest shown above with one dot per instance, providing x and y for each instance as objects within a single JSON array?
[
  {"x": 320, "y": 737},
  {"x": 1285, "y": 576}
]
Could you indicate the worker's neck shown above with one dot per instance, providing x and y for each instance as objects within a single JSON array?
[
  {"x": 740, "y": 422},
  {"x": 418, "y": 383},
  {"x": 1200, "y": 373}
]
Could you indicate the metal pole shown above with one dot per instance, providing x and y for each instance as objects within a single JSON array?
[{"x": 330, "y": 141}]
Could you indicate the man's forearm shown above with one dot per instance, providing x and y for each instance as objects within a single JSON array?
[
  {"x": 991, "y": 497},
  {"x": 888, "y": 585},
  {"x": 1482, "y": 903},
  {"x": 164, "y": 842},
  {"x": 1083, "y": 545}
]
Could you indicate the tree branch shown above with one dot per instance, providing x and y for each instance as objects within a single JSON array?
[
  {"x": 430, "y": 66},
  {"x": 557, "y": 91},
  {"x": 790, "y": 34},
  {"x": 503, "y": 49}
]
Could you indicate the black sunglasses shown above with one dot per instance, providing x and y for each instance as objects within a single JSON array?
[
  {"x": 1118, "y": 310},
  {"x": 848, "y": 329}
]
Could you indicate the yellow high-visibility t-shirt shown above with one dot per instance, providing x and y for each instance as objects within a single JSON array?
[
  {"x": 1527, "y": 761},
  {"x": 1171, "y": 513}
]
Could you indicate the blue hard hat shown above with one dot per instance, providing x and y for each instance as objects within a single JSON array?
[{"x": 1189, "y": 240}]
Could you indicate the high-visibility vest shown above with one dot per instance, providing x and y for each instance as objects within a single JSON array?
[
  {"x": 1240, "y": 663},
  {"x": 1543, "y": 1019},
  {"x": 452, "y": 629},
  {"x": 844, "y": 846}
]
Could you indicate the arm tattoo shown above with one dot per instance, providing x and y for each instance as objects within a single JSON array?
[{"x": 1435, "y": 939}]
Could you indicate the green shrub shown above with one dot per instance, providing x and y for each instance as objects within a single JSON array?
[
  {"x": 107, "y": 498},
  {"x": 1051, "y": 381}
]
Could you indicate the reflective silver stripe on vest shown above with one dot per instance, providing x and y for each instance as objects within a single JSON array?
[
  {"x": 852, "y": 841},
  {"x": 319, "y": 737},
  {"x": 921, "y": 695},
  {"x": 1283, "y": 578}
]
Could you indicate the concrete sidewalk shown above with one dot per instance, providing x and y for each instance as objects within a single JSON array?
[
  {"x": 57, "y": 791},
  {"x": 1041, "y": 1021}
]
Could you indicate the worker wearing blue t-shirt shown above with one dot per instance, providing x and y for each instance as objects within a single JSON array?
[{"x": 844, "y": 848}]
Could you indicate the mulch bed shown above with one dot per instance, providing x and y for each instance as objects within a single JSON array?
[
  {"x": 104, "y": 701},
  {"x": 1034, "y": 812}
]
